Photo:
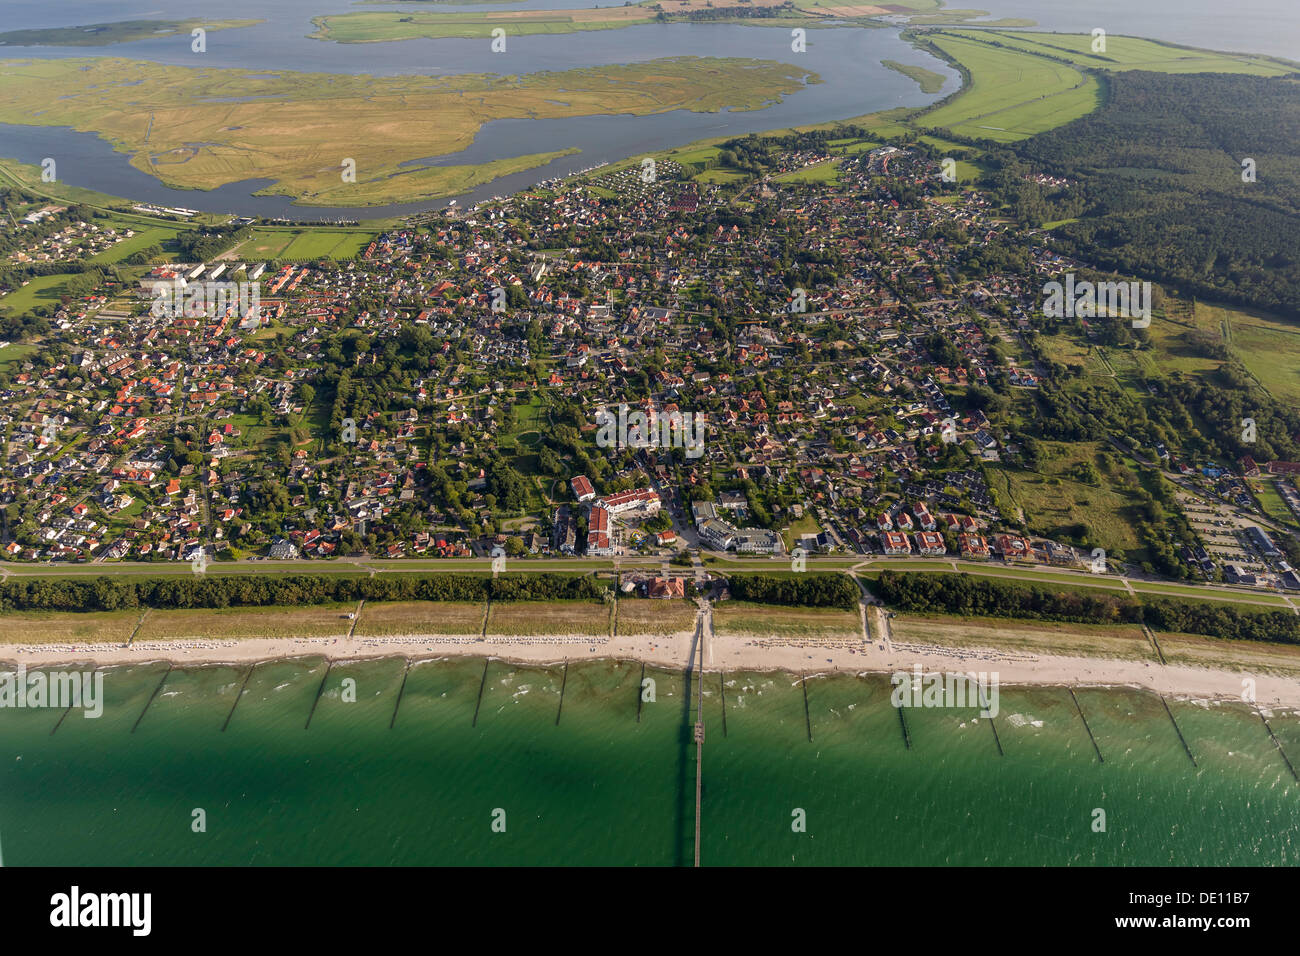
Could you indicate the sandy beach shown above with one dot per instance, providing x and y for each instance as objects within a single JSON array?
[{"x": 729, "y": 653}]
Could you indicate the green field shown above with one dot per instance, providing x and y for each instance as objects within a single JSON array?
[
  {"x": 301, "y": 244},
  {"x": 822, "y": 173},
  {"x": 1132, "y": 53},
  {"x": 1054, "y": 502},
  {"x": 1011, "y": 95},
  {"x": 144, "y": 237},
  {"x": 1019, "y": 85},
  {"x": 1267, "y": 346},
  {"x": 43, "y": 290}
]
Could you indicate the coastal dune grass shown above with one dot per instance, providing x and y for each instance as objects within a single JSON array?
[
  {"x": 651, "y": 616},
  {"x": 1121, "y": 641},
  {"x": 401, "y": 618},
  {"x": 541, "y": 618},
  {"x": 244, "y": 623},
  {"x": 58, "y": 627},
  {"x": 737, "y": 618}
]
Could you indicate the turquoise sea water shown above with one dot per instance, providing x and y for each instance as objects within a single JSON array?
[{"x": 599, "y": 786}]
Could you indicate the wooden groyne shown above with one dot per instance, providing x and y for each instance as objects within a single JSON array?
[
  {"x": 1151, "y": 635},
  {"x": 1278, "y": 744},
  {"x": 481, "y": 684},
  {"x": 239, "y": 696},
  {"x": 150, "y": 701},
  {"x": 996, "y": 739},
  {"x": 319, "y": 690},
  {"x": 902, "y": 721},
  {"x": 59, "y": 724},
  {"x": 564, "y": 682},
  {"x": 1177, "y": 730},
  {"x": 807, "y": 719},
  {"x": 722, "y": 687},
  {"x": 406, "y": 672},
  {"x": 1100, "y": 759},
  {"x": 640, "y": 690}
]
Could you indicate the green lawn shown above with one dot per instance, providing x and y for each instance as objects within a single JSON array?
[{"x": 43, "y": 290}]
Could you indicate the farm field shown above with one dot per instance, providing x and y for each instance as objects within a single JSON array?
[
  {"x": 827, "y": 172},
  {"x": 42, "y": 290},
  {"x": 144, "y": 237}
]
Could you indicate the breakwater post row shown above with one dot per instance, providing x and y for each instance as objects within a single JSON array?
[
  {"x": 1278, "y": 744},
  {"x": 252, "y": 667},
  {"x": 807, "y": 718},
  {"x": 400, "y": 691},
  {"x": 319, "y": 690},
  {"x": 1100, "y": 759},
  {"x": 564, "y": 682},
  {"x": 150, "y": 701},
  {"x": 481, "y": 684},
  {"x": 1177, "y": 730}
]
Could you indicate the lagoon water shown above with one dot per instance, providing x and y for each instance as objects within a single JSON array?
[
  {"x": 847, "y": 60},
  {"x": 601, "y": 787}
]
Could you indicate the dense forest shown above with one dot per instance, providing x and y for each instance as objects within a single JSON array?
[
  {"x": 807, "y": 590},
  {"x": 1157, "y": 184},
  {"x": 967, "y": 595},
  {"x": 247, "y": 590}
]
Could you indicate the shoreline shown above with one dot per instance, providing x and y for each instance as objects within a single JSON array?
[{"x": 797, "y": 656}]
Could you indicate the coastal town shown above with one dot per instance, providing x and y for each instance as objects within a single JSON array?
[{"x": 857, "y": 362}]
